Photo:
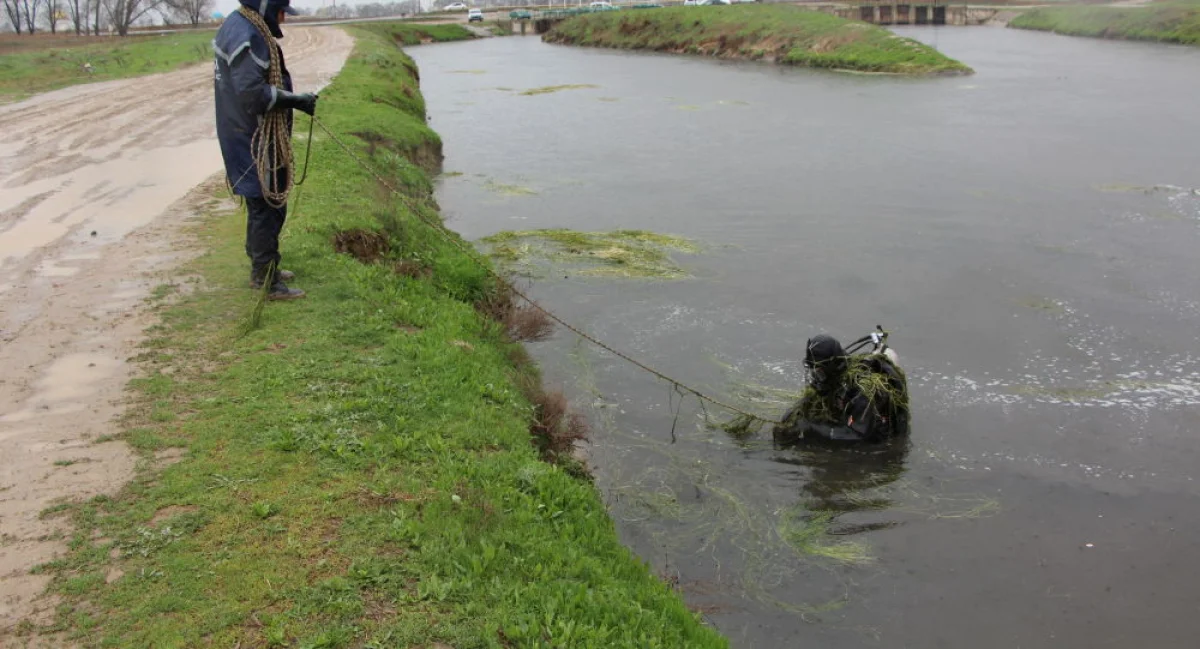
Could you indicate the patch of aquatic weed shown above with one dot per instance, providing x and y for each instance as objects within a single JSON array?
[
  {"x": 1122, "y": 188},
  {"x": 767, "y": 402},
  {"x": 809, "y": 535},
  {"x": 509, "y": 190},
  {"x": 620, "y": 253},
  {"x": 545, "y": 90},
  {"x": 1042, "y": 304}
]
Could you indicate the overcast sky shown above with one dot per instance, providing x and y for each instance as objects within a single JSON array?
[{"x": 226, "y": 6}]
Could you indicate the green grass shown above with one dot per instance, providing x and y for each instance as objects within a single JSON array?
[
  {"x": 359, "y": 468},
  {"x": 27, "y": 72},
  {"x": 786, "y": 34},
  {"x": 410, "y": 34},
  {"x": 1171, "y": 22}
]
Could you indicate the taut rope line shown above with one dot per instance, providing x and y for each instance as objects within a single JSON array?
[{"x": 471, "y": 253}]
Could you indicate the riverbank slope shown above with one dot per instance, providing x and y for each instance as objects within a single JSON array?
[
  {"x": 784, "y": 34},
  {"x": 364, "y": 467},
  {"x": 1170, "y": 22}
]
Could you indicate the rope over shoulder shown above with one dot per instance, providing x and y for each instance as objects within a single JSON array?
[
  {"x": 471, "y": 254},
  {"x": 271, "y": 144}
]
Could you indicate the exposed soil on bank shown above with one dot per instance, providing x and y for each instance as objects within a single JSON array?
[{"x": 96, "y": 183}]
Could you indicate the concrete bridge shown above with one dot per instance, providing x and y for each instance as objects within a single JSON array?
[{"x": 910, "y": 12}]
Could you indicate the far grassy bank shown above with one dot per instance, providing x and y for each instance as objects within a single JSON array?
[
  {"x": 376, "y": 465},
  {"x": 1172, "y": 22},
  {"x": 784, "y": 34},
  {"x": 416, "y": 34},
  {"x": 25, "y": 71}
]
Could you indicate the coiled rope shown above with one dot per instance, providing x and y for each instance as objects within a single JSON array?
[
  {"x": 271, "y": 144},
  {"x": 472, "y": 254}
]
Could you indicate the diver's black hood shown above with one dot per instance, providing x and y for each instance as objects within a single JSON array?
[
  {"x": 825, "y": 361},
  {"x": 269, "y": 10},
  {"x": 821, "y": 349}
]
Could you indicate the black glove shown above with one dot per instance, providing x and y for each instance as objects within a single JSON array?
[{"x": 305, "y": 102}]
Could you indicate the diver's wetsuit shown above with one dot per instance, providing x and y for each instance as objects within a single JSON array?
[{"x": 835, "y": 408}]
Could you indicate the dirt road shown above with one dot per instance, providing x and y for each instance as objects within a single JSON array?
[{"x": 94, "y": 184}]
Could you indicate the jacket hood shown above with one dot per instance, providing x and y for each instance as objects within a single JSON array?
[{"x": 269, "y": 10}]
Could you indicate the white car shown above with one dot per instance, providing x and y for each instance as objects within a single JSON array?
[
  {"x": 457, "y": 6},
  {"x": 601, "y": 5},
  {"x": 691, "y": 3},
  {"x": 475, "y": 16}
]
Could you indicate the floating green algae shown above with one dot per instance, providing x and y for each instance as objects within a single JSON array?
[
  {"x": 1042, "y": 304},
  {"x": 545, "y": 90},
  {"x": 509, "y": 190},
  {"x": 620, "y": 253},
  {"x": 809, "y": 535},
  {"x": 1122, "y": 188},
  {"x": 1089, "y": 391}
]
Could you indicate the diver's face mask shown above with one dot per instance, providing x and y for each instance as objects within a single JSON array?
[
  {"x": 824, "y": 362},
  {"x": 822, "y": 375}
]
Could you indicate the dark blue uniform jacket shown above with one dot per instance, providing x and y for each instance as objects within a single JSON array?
[{"x": 242, "y": 93}]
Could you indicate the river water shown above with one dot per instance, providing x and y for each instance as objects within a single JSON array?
[{"x": 1025, "y": 233}]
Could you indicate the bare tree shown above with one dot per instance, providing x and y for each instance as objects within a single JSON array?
[
  {"x": 29, "y": 9},
  {"x": 12, "y": 9},
  {"x": 124, "y": 13},
  {"x": 192, "y": 12},
  {"x": 77, "y": 11},
  {"x": 53, "y": 13}
]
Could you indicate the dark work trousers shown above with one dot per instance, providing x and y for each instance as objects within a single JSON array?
[{"x": 263, "y": 224}]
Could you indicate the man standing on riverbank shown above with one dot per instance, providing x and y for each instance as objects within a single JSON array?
[{"x": 247, "y": 61}]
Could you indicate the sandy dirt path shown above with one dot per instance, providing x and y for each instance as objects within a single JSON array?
[{"x": 94, "y": 186}]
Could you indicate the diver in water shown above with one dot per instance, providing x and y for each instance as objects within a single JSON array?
[{"x": 851, "y": 396}]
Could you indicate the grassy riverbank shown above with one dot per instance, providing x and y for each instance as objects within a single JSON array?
[
  {"x": 785, "y": 34},
  {"x": 1172, "y": 22},
  {"x": 362, "y": 468}
]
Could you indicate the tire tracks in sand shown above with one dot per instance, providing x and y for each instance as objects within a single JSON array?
[{"x": 95, "y": 184}]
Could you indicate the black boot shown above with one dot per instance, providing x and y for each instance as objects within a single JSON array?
[
  {"x": 257, "y": 283},
  {"x": 280, "y": 291}
]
